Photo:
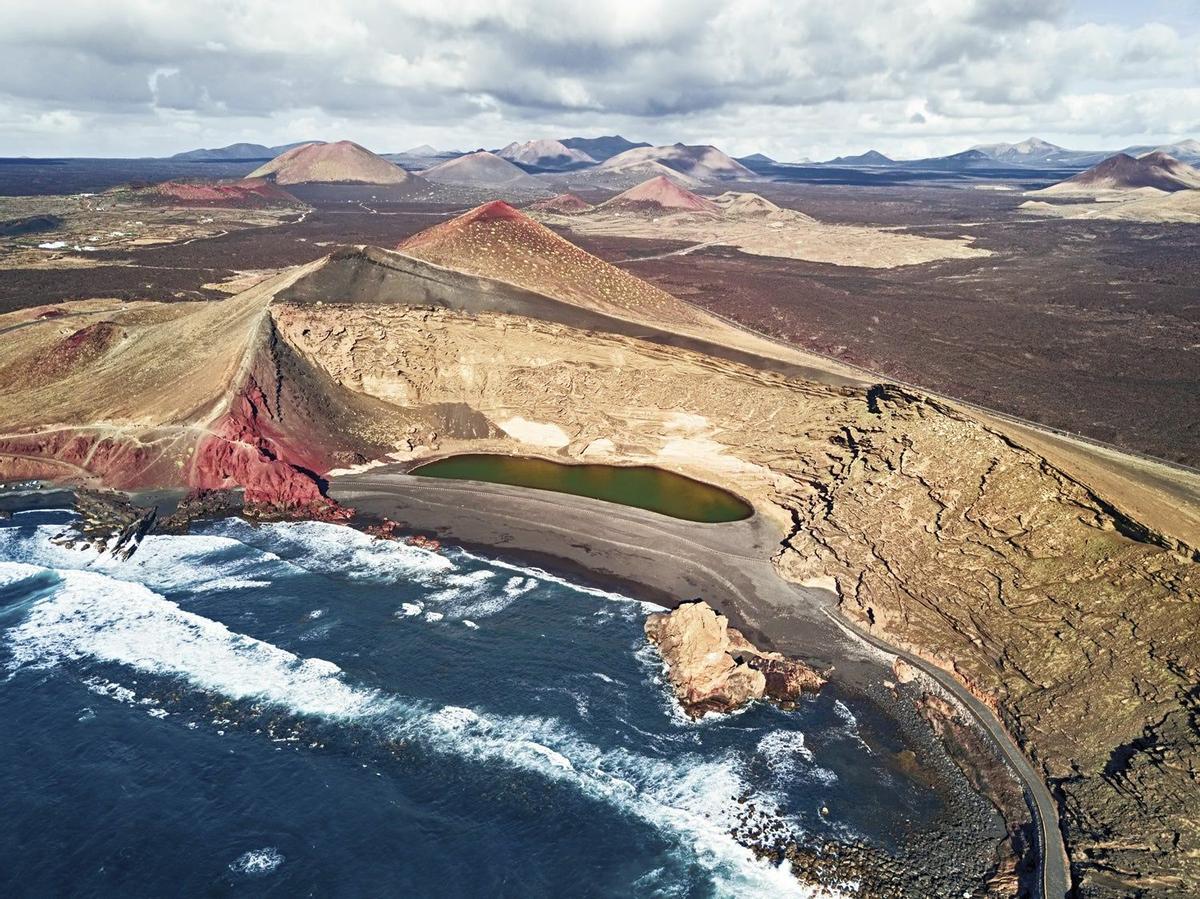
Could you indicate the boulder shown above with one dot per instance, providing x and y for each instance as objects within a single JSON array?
[
  {"x": 903, "y": 671},
  {"x": 714, "y": 668}
]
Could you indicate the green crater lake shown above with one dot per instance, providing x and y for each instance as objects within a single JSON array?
[{"x": 642, "y": 486}]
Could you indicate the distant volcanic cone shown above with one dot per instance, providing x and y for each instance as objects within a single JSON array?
[
  {"x": 1125, "y": 172},
  {"x": 703, "y": 163},
  {"x": 247, "y": 193},
  {"x": 482, "y": 169},
  {"x": 498, "y": 242},
  {"x": 344, "y": 162},
  {"x": 563, "y": 204},
  {"x": 661, "y": 194}
]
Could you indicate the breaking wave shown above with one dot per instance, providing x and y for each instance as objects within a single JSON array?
[
  {"x": 257, "y": 862},
  {"x": 86, "y": 617}
]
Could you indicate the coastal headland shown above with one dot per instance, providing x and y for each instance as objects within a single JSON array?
[{"x": 1048, "y": 580}]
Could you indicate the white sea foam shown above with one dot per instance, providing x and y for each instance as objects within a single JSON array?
[
  {"x": 163, "y": 563},
  {"x": 110, "y": 689},
  {"x": 459, "y": 586},
  {"x": 257, "y": 862},
  {"x": 555, "y": 758},
  {"x": 410, "y": 609},
  {"x": 320, "y": 632},
  {"x": 15, "y": 572},
  {"x": 789, "y": 758},
  {"x": 540, "y": 574},
  {"x": 519, "y": 586},
  {"x": 474, "y": 594},
  {"x": 94, "y": 616},
  {"x": 783, "y": 749},
  {"x": 579, "y": 699},
  {"x": 843, "y": 711},
  {"x": 337, "y": 549}
]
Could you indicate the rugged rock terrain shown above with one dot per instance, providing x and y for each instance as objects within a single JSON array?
[
  {"x": 714, "y": 668},
  {"x": 1138, "y": 206},
  {"x": 1064, "y": 615}
]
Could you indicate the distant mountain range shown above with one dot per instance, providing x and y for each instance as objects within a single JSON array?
[
  {"x": 1030, "y": 153},
  {"x": 602, "y": 148},
  {"x": 1033, "y": 150},
  {"x": 238, "y": 152},
  {"x": 614, "y": 162},
  {"x": 871, "y": 157}
]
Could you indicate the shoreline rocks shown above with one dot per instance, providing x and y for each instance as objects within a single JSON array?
[{"x": 714, "y": 668}]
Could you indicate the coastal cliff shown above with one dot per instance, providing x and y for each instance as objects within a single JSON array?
[{"x": 1075, "y": 621}]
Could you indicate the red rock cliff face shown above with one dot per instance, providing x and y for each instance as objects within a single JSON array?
[
  {"x": 117, "y": 460},
  {"x": 286, "y": 426},
  {"x": 273, "y": 431},
  {"x": 247, "y": 449}
]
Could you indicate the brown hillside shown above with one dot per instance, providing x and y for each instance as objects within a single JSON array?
[
  {"x": 496, "y": 241},
  {"x": 344, "y": 162},
  {"x": 661, "y": 194}
]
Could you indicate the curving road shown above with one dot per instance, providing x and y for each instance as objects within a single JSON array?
[{"x": 1054, "y": 880}]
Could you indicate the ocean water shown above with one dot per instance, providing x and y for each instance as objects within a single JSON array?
[{"x": 297, "y": 709}]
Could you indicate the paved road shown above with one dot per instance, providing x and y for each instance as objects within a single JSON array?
[{"x": 1052, "y": 854}]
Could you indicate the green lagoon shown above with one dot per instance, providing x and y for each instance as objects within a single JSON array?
[{"x": 641, "y": 486}]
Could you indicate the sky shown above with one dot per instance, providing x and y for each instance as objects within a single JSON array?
[{"x": 808, "y": 78}]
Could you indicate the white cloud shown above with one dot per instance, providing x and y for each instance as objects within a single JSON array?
[{"x": 828, "y": 76}]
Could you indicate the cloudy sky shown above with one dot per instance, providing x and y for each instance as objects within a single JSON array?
[{"x": 791, "y": 79}]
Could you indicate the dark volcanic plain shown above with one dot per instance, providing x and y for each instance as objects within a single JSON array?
[
  {"x": 1092, "y": 328},
  {"x": 1087, "y": 326}
]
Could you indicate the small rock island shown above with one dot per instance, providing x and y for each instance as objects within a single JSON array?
[{"x": 714, "y": 668}]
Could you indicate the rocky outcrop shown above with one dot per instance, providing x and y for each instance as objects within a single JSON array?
[
  {"x": 714, "y": 668},
  {"x": 1015, "y": 867},
  {"x": 952, "y": 541}
]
